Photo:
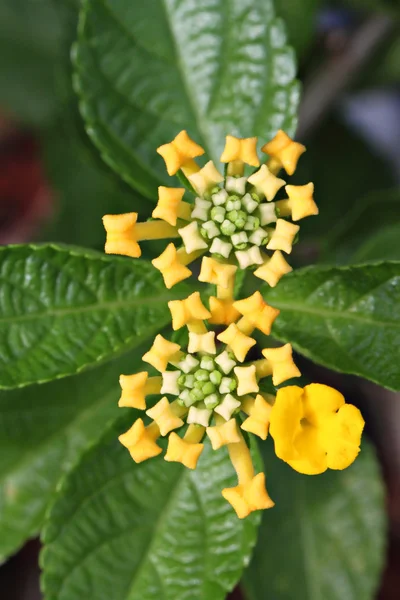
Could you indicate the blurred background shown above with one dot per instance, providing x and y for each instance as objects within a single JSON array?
[{"x": 54, "y": 187}]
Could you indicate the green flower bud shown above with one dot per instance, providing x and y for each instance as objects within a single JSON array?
[
  {"x": 181, "y": 380},
  {"x": 215, "y": 377},
  {"x": 198, "y": 385},
  {"x": 196, "y": 395},
  {"x": 239, "y": 240},
  {"x": 227, "y": 228},
  {"x": 232, "y": 215},
  {"x": 215, "y": 190},
  {"x": 189, "y": 381},
  {"x": 207, "y": 363},
  {"x": 255, "y": 197},
  {"x": 241, "y": 219},
  {"x": 208, "y": 388},
  {"x": 218, "y": 214},
  {"x": 252, "y": 223},
  {"x": 233, "y": 204},
  {"x": 201, "y": 375},
  {"x": 211, "y": 401}
]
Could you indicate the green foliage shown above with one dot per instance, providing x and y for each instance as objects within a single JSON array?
[
  {"x": 30, "y": 54},
  {"x": 370, "y": 219},
  {"x": 346, "y": 318},
  {"x": 325, "y": 538},
  {"x": 124, "y": 531},
  {"x": 142, "y": 75},
  {"x": 63, "y": 310},
  {"x": 43, "y": 429},
  {"x": 300, "y": 21}
]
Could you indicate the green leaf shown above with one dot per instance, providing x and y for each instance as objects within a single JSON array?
[
  {"x": 343, "y": 169},
  {"x": 43, "y": 430},
  {"x": 30, "y": 53},
  {"x": 324, "y": 538},
  {"x": 64, "y": 309},
  {"x": 384, "y": 245},
  {"x": 346, "y": 318},
  {"x": 153, "y": 530},
  {"x": 366, "y": 219},
  {"x": 144, "y": 71},
  {"x": 84, "y": 188},
  {"x": 300, "y": 21}
]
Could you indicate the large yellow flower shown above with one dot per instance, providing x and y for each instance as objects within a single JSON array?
[
  {"x": 314, "y": 429},
  {"x": 231, "y": 218}
]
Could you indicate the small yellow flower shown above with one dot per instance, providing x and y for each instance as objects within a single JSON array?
[
  {"x": 284, "y": 152},
  {"x": 273, "y": 269},
  {"x": 172, "y": 270},
  {"x": 169, "y": 204},
  {"x": 161, "y": 353},
  {"x": 187, "y": 311},
  {"x": 248, "y": 497},
  {"x": 206, "y": 178},
  {"x": 281, "y": 360},
  {"x": 215, "y": 272},
  {"x": 240, "y": 149},
  {"x": 191, "y": 237},
  {"x": 121, "y": 237},
  {"x": 226, "y": 433},
  {"x": 258, "y": 312},
  {"x": 182, "y": 451},
  {"x": 283, "y": 236},
  {"x": 136, "y": 387},
  {"x": 258, "y": 419},
  {"x": 180, "y": 152},
  {"x": 266, "y": 183},
  {"x": 247, "y": 382},
  {"x": 301, "y": 201},
  {"x": 314, "y": 429},
  {"x": 222, "y": 311},
  {"x": 164, "y": 416},
  {"x": 238, "y": 342},
  {"x": 141, "y": 441}
]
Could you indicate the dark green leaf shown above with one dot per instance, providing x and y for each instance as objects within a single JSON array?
[
  {"x": 84, "y": 189},
  {"x": 325, "y": 537},
  {"x": 300, "y": 21},
  {"x": 366, "y": 219},
  {"x": 144, "y": 71},
  {"x": 64, "y": 309},
  {"x": 346, "y": 318},
  {"x": 43, "y": 429},
  {"x": 153, "y": 530}
]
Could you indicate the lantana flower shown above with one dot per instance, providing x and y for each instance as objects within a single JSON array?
[
  {"x": 211, "y": 388},
  {"x": 233, "y": 219}
]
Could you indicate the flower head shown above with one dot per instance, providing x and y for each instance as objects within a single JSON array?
[{"x": 232, "y": 218}]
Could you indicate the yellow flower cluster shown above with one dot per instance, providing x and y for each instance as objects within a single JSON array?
[
  {"x": 217, "y": 385},
  {"x": 232, "y": 219}
]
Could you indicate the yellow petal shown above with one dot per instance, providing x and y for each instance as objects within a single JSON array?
[
  {"x": 215, "y": 272},
  {"x": 206, "y": 178},
  {"x": 302, "y": 201},
  {"x": 140, "y": 441},
  {"x": 242, "y": 149},
  {"x": 285, "y": 418},
  {"x": 202, "y": 342},
  {"x": 188, "y": 310},
  {"x": 121, "y": 238},
  {"x": 284, "y": 151},
  {"x": 283, "y": 236},
  {"x": 220, "y": 435},
  {"x": 169, "y": 265},
  {"x": 247, "y": 382},
  {"x": 163, "y": 415},
  {"x": 161, "y": 353},
  {"x": 182, "y": 451},
  {"x": 283, "y": 367},
  {"x": 238, "y": 342},
  {"x": 133, "y": 390},
  {"x": 266, "y": 183},
  {"x": 258, "y": 420},
  {"x": 169, "y": 201},
  {"x": 179, "y": 152},
  {"x": 249, "y": 497},
  {"x": 273, "y": 269},
  {"x": 258, "y": 312},
  {"x": 223, "y": 312}
]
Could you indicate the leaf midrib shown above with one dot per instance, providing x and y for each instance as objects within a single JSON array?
[
  {"x": 109, "y": 306},
  {"x": 331, "y": 314}
]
